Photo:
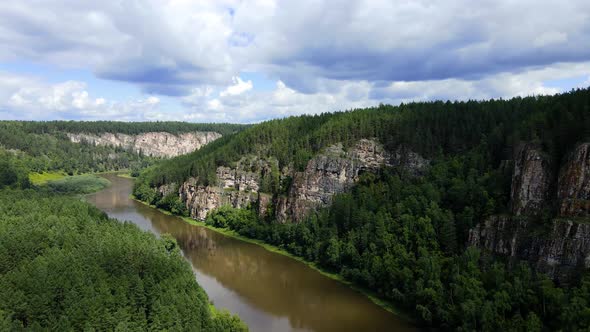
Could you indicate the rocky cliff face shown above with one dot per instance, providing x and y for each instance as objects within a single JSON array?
[
  {"x": 573, "y": 187},
  {"x": 156, "y": 144},
  {"x": 559, "y": 248},
  {"x": 559, "y": 252},
  {"x": 331, "y": 172},
  {"x": 237, "y": 187},
  {"x": 530, "y": 181}
]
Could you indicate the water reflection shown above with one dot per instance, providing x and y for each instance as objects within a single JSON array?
[{"x": 268, "y": 291}]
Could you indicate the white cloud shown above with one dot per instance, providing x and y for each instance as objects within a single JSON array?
[
  {"x": 237, "y": 88},
  {"x": 324, "y": 55},
  {"x": 253, "y": 106},
  {"x": 168, "y": 47},
  {"x": 33, "y": 99}
]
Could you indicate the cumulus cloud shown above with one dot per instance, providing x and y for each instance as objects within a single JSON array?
[
  {"x": 237, "y": 88},
  {"x": 163, "y": 46},
  {"x": 167, "y": 47},
  {"x": 32, "y": 99},
  {"x": 413, "y": 40},
  {"x": 323, "y": 55},
  {"x": 254, "y": 106}
]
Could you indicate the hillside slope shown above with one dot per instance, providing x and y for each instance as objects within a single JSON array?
[{"x": 82, "y": 147}]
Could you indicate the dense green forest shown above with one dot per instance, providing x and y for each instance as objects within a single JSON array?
[
  {"x": 64, "y": 265},
  {"x": 434, "y": 129},
  {"x": 129, "y": 128},
  {"x": 45, "y": 147},
  {"x": 404, "y": 237}
]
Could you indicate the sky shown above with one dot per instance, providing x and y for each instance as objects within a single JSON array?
[{"x": 248, "y": 61}]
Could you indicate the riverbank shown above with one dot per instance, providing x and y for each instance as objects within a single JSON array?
[{"x": 386, "y": 305}]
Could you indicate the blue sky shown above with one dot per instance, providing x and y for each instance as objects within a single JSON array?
[{"x": 248, "y": 61}]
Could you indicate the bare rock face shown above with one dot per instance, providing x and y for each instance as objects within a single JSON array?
[
  {"x": 573, "y": 187},
  {"x": 166, "y": 189},
  {"x": 559, "y": 253},
  {"x": 331, "y": 172},
  {"x": 156, "y": 144},
  {"x": 530, "y": 181},
  {"x": 238, "y": 187},
  {"x": 200, "y": 200}
]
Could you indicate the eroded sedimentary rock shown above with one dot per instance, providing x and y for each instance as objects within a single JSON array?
[
  {"x": 156, "y": 144},
  {"x": 530, "y": 181},
  {"x": 331, "y": 172},
  {"x": 573, "y": 187}
]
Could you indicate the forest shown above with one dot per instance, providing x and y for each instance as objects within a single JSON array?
[
  {"x": 65, "y": 266},
  {"x": 404, "y": 237},
  {"x": 44, "y": 146}
]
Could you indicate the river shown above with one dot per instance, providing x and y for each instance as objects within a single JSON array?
[{"x": 269, "y": 291}]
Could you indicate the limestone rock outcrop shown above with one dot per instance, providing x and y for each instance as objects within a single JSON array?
[
  {"x": 156, "y": 144},
  {"x": 331, "y": 172},
  {"x": 559, "y": 252},
  {"x": 559, "y": 247},
  {"x": 573, "y": 187},
  {"x": 531, "y": 180}
]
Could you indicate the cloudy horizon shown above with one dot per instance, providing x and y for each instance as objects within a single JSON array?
[{"x": 249, "y": 61}]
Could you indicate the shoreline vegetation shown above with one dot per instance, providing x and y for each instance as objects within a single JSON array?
[{"x": 384, "y": 304}]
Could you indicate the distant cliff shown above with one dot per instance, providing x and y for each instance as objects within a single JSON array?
[{"x": 155, "y": 144}]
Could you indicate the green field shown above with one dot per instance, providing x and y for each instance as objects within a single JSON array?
[
  {"x": 42, "y": 178},
  {"x": 79, "y": 184}
]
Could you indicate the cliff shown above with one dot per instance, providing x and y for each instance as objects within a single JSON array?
[
  {"x": 560, "y": 251},
  {"x": 559, "y": 247},
  {"x": 573, "y": 188},
  {"x": 530, "y": 180},
  {"x": 331, "y": 172},
  {"x": 156, "y": 144}
]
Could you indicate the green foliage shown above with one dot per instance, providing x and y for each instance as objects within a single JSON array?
[
  {"x": 79, "y": 184},
  {"x": 143, "y": 192},
  {"x": 172, "y": 203},
  {"x": 242, "y": 220},
  {"x": 13, "y": 173},
  {"x": 44, "y": 146},
  {"x": 65, "y": 266},
  {"x": 129, "y": 128}
]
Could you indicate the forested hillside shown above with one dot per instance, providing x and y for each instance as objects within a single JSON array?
[
  {"x": 45, "y": 146},
  {"x": 433, "y": 129},
  {"x": 130, "y": 128},
  {"x": 399, "y": 235}
]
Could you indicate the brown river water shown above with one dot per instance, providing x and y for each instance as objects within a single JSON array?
[{"x": 269, "y": 291}]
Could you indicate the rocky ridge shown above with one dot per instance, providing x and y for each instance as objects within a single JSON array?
[
  {"x": 155, "y": 144},
  {"x": 331, "y": 172}
]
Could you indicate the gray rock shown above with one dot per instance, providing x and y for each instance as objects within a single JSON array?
[{"x": 156, "y": 144}]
